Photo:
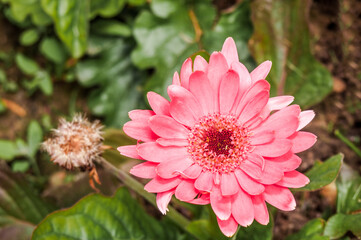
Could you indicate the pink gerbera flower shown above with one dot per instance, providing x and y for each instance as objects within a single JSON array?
[{"x": 221, "y": 140}]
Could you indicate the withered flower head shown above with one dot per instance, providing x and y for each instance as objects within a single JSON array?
[{"x": 75, "y": 144}]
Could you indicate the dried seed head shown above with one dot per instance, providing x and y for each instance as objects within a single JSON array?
[{"x": 75, "y": 144}]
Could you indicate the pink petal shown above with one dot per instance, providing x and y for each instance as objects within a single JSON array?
[
  {"x": 228, "y": 90},
  {"x": 184, "y": 107},
  {"x": 255, "y": 89},
  {"x": 200, "y": 64},
  {"x": 248, "y": 184},
  {"x": 129, "y": 151},
  {"x": 185, "y": 72},
  {"x": 305, "y": 118},
  {"x": 260, "y": 210},
  {"x": 252, "y": 169},
  {"x": 302, "y": 141},
  {"x": 140, "y": 114},
  {"x": 284, "y": 122},
  {"x": 229, "y": 51},
  {"x": 144, "y": 170},
  {"x": 176, "y": 80},
  {"x": 293, "y": 179},
  {"x": 242, "y": 209},
  {"x": 253, "y": 107},
  {"x": 172, "y": 142},
  {"x": 163, "y": 200},
  {"x": 159, "y": 104},
  {"x": 287, "y": 162},
  {"x": 192, "y": 172},
  {"x": 279, "y": 102},
  {"x": 228, "y": 227},
  {"x": 244, "y": 77},
  {"x": 261, "y": 71},
  {"x": 262, "y": 137},
  {"x": 170, "y": 169},
  {"x": 167, "y": 127},
  {"x": 216, "y": 69},
  {"x": 204, "y": 181},
  {"x": 186, "y": 191},
  {"x": 201, "y": 88},
  {"x": 159, "y": 184},
  {"x": 280, "y": 198},
  {"x": 256, "y": 159},
  {"x": 140, "y": 130},
  {"x": 229, "y": 184},
  {"x": 221, "y": 205},
  {"x": 156, "y": 153},
  {"x": 271, "y": 174},
  {"x": 276, "y": 148}
]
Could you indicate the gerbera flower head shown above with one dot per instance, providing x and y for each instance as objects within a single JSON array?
[{"x": 221, "y": 140}]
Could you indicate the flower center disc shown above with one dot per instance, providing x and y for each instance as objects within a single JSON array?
[{"x": 218, "y": 144}]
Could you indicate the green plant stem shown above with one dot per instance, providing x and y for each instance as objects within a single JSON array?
[
  {"x": 35, "y": 166},
  {"x": 235, "y": 235},
  {"x": 136, "y": 186},
  {"x": 348, "y": 142}
]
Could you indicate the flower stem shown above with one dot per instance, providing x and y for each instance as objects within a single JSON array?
[
  {"x": 130, "y": 182},
  {"x": 348, "y": 142}
]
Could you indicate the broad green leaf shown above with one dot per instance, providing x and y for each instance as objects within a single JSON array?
[
  {"x": 26, "y": 65},
  {"x": 313, "y": 230},
  {"x": 256, "y": 232},
  {"x": 21, "y": 9},
  {"x": 8, "y": 150},
  {"x": 118, "y": 83},
  {"x": 111, "y": 28},
  {"x": 53, "y": 50},
  {"x": 99, "y": 217},
  {"x": 282, "y": 36},
  {"x": 348, "y": 190},
  {"x": 29, "y": 37},
  {"x": 339, "y": 224},
  {"x": 323, "y": 173},
  {"x": 19, "y": 200},
  {"x": 107, "y": 9},
  {"x": 71, "y": 23},
  {"x": 34, "y": 137}
]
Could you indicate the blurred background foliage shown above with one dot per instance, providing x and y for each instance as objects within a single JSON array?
[{"x": 102, "y": 57}]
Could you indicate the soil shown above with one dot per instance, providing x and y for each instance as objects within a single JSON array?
[{"x": 336, "y": 29}]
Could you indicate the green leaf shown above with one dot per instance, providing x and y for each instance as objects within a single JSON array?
[
  {"x": 20, "y": 166},
  {"x": 348, "y": 190},
  {"x": 44, "y": 81},
  {"x": 166, "y": 36},
  {"x": 339, "y": 224},
  {"x": 323, "y": 174},
  {"x": 204, "y": 230},
  {"x": 312, "y": 230},
  {"x": 29, "y": 37},
  {"x": 118, "y": 83},
  {"x": 111, "y": 28},
  {"x": 282, "y": 36},
  {"x": 2, "y": 106},
  {"x": 53, "y": 50},
  {"x": 106, "y": 9},
  {"x": 21, "y": 9},
  {"x": 71, "y": 23},
  {"x": 34, "y": 137},
  {"x": 99, "y": 217},
  {"x": 20, "y": 200},
  {"x": 256, "y": 232},
  {"x": 8, "y": 150},
  {"x": 26, "y": 65}
]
